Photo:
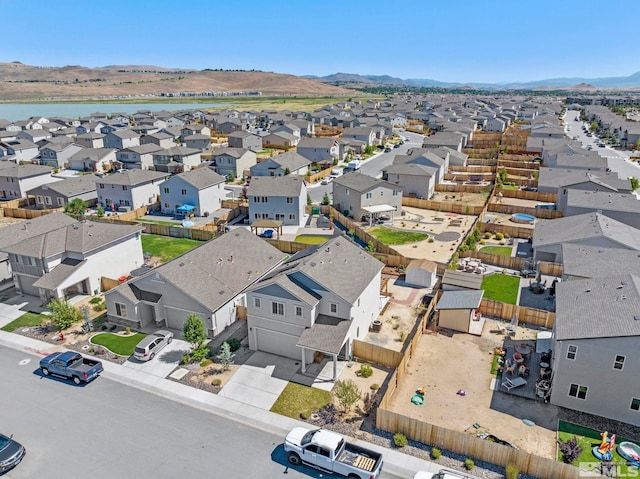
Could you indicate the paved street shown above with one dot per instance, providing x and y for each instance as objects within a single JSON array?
[{"x": 108, "y": 430}]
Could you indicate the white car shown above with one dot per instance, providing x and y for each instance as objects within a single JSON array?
[{"x": 151, "y": 345}]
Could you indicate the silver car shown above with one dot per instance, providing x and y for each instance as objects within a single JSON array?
[{"x": 147, "y": 349}]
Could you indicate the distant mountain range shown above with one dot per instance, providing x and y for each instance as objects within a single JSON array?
[{"x": 620, "y": 83}]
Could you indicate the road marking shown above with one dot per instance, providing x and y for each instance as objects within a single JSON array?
[{"x": 24, "y": 362}]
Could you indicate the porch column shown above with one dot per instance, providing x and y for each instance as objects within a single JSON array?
[
  {"x": 335, "y": 367},
  {"x": 304, "y": 366}
]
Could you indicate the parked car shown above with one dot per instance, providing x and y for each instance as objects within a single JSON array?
[
  {"x": 11, "y": 453},
  {"x": 387, "y": 150},
  {"x": 71, "y": 365},
  {"x": 529, "y": 188},
  {"x": 266, "y": 234},
  {"x": 397, "y": 145},
  {"x": 326, "y": 181},
  {"x": 151, "y": 345}
]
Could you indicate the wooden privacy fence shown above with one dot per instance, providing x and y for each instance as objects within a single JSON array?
[
  {"x": 513, "y": 231},
  {"x": 508, "y": 262},
  {"x": 482, "y": 162},
  {"x": 108, "y": 283},
  {"x": 318, "y": 176},
  {"x": 375, "y": 354},
  {"x": 178, "y": 232},
  {"x": 472, "y": 169},
  {"x": 537, "y": 212},
  {"x": 529, "y": 195},
  {"x": 449, "y": 188},
  {"x": 361, "y": 234},
  {"x": 530, "y": 316},
  {"x": 442, "y": 206},
  {"x": 27, "y": 214}
]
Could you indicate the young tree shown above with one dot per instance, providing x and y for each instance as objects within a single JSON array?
[
  {"x": 63, "y": 314},
  {"x": 634, "y": 183},
  {"x": 193, "y": 331},
  {"x": 225, "y": 356},
  {"x": 287, "y": 171},
  {"x": 325, "y": 199},
  {"x": 230, "y": 177},
  {"x": 347, "y": 394},
  {"x": 76, "y": 208},
  {"x": 309, "y": 200},
  {"x": 99, "y": 211}
]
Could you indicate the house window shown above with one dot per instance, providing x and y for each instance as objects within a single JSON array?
[
  {"x": 166, "y": 205},
  {"x": 577, "y": 391},
  {"x": 265, "y": 199},
  {"x": 619, "y": 362},
  {"x": 395, "y": 192},
  {"x": 47, "y": 200},
  {"x": 368, "y": 196},
  {"x": 121, "y": 310},
  {"x": 256, "y": 303},
  {"x": 334, "y": 308},
  {"x": 39, "y": 200},
  {"x": 60, "y": 201},
  {"x": 382, "y": 193},
  {"x": 572, "y": 352},
  {"x": 277, "y": 308},
  {"x": 125, "y": 187},
  {"x": 635, "y": 404},
  {"x": 184, "y": 192},
  {"x": 298, "y": 310},
  {"x": 292, "y": 217},
  {"x": 289, "y": 199},
  {"x": 101, "y": 185},
  {"x": 166, "y": 190}
]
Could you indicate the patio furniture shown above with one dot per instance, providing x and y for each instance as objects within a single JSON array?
[
  {"x": 523, "y": 349},
  {"x": 510, "y": 384},
  {"x": 518, "y": 358},
  {"x": 510, "y": 366}
]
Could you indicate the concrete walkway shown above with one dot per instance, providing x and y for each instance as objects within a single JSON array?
[{"x": 394, "y": 462}]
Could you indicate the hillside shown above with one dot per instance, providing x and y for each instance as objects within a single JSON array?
[{"x": 25, "y": 82}]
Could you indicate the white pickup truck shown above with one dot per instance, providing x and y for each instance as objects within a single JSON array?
[{"x": 328, "y": 451}]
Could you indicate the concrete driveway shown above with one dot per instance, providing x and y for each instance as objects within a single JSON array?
[
  {"x": 11, "y": 311},
  {"x": 260, "y": 380},
  {"x": 165, "y": 361}
]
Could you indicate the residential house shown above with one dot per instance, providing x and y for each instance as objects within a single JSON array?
[
  {"x": 280, "y": 139},
  {"x": 138, "y": 157},
  {"x": 198, "y": 142},
  {"x": 583, "y": 261},
  {"x": 416, "y": 180},
  {"x": 194, "y": 129},
  {"x": 288, "y": 128},
  {"x": 72, "y": 259},
  {"x": 161, "y": 139},
  {"x": 228, "y": 126},
  {"x": 92, "y": 159},
  {"x": 319, "y": 150},
  {"x": 319, "y": 301},
  {"x": 596, "y": 334},
  {"x": 280, "y": 165},
  {"x": 306, "y": 127},
  {"x": 236, "y": 161},
  {"x": 176, "y": 159},
  {"x": 209, "y": 281},
  {"x": 560, "y": 180},
  {"x": 496, "y": 124},
  {"x": 130, "y": 189},
  {"x": 21, "y": 150},
  {"x": 16, "y": 233},
  {"x": 57, "y": 153},
  {"x": 280, "y": 198},
  {"x": 197, "y": 192},
  {"x": 362, "y": 133},
  {"x": 91, "y": 140},
  {"x": 355, "y": 194},
  {"x": 245, "y": 140},
  {"x": 16, "y": 180},
  {"x": 594, "y": 229},
  {"x": 59, "y": 193},
  {"x": 454, "y": 140},
  {"x": 621, "y": 207},
  {"x": 34, "y": 136},
  {"x": 89, "y": 127},
  {"x": 121, "y": 139}
]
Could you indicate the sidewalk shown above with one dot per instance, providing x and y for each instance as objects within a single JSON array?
[{"x": 395, "y": 462}]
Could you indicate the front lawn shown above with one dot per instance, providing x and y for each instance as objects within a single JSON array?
[
  {"x": 588, "y": 438},
  {"x": 159, "y": 222},
  {"x": 296, "y": 400},
  {"x": 390, "y": 236},
  {"x": 497, "y": 250},
  {"x": 27, "y": 320},
  {"x": 122, "y": 345},
  {"x": 311, "y": 239},
  {"x": 166, "y": 247},
  {"x": 501, "y": 287}
]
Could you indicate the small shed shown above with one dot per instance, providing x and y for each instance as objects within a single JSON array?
[
  {"x": 458, "y": 310},
  {"x": 421, "y": 273},
  {"x": 460, "y": 280}
]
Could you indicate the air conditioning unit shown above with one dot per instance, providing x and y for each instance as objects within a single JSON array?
[{"x": 124, "y": 209}]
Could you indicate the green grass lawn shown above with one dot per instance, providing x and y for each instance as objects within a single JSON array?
[
  {"x": 311, "y": 239},
  {"x": 510, "y": 187},
  {"x": 27, "y": 320},
  {"x": 158, "y": 222},
  {"x": 501, "y": 287},
  {"x": 166, "y": 247},
  {"x": 390, "y": 236},
  {"x": 296, "y": 399},
  {"x": 122, "y": 345},
  {"x": 588, "y": 438},
  {"x": 497, "y": 250}
]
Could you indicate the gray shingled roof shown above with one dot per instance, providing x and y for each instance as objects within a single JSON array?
[
  {"x": 468, "y": 299},
  {"x": 233, "y": 152},
  {"x": 19, "y": 232},
  {"x": 288, "y": 185},
  {"x": 144, "y": 149},
  {"x": 603, "y": 200},
  {"x": 93, "y": 154},
  {"x": 201, "y": 177},
  {"x": 593, "y": 261},
  {"x": 133, "y": 177},
  {"x": 72, "y": 186},
  {"x": 411, "y": 169},
  {"x": 178, "y": 151},
  {"x": 316, "y": 142},
  {"x": 603, "y": 307},
  {"x": 9, "y": 169},
  {"x": 58, "y": 274},
  {"x": 362, "y": 183},
  {"x": 291, "y": 160},
  {"x": 556, "y": 177},
  {"x": 215, "y": 272},
  {"x": 327, "y": 335},
  {"x": 80, "y": 237},
  {"x": 581, "y": 227}
]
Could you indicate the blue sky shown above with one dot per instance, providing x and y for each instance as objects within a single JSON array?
[{"x": 463, "y": 41}]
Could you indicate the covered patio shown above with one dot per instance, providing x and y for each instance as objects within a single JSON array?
[
  {"x": 375, "y": 210},
  {"x": 185, "y": 210},
  {"x": 275, "y": 225},
  {"x": 327, "y": 336}
]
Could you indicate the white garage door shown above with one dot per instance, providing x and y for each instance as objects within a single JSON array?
[
  {"x": 278, "y": 343},
  {"x": 27, "y": 287},
  {"x": 175, "y": 318}
]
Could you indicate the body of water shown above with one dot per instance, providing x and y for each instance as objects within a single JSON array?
[{"x": 23, "y": 111}]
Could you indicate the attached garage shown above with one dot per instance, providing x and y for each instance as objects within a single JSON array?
[
  {"x": 27, "y": 287},
  {"x": 175, "y": 318},
  {"x": 275, "y": 342}
]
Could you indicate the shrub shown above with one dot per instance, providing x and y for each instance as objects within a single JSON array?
[
  {"x": 234, "y": 344},
  {"x": 374, "y": 387},
  {"x": 469, "y": 464},
  {"x": 127, "y": 330},
  {"x": 483, "y": 241},
  {"x": 112, "y": 327},
  {"x": 63, "y": 314},
  {"x": 366, "y": 371},
  {"x": 435, "y": 453},
  {"x": 430, "y": 240},
  {"x": 570, "y": 450},
  {"x": 304, "y": 415},
  {"x": 347, "y": 393},
  {"x": 205, "y": 362},
  {"x": 487, "y": 235},
  {"x": 511, "y": 471},
  {"x": 216, "y": 382},
  {"x": 99, "y": 306},
  {"x": 503, "y": 242},
  {"x": 200, "y": 353},
  {"x": 400, "y": 440},
  {"x": 506, "y": 236},
  {"x": 95, "y": 300},
  {"x": 104, "y": 327},
  {"x": 499, "y": 236}
]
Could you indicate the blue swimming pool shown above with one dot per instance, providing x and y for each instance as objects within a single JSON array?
[{"x": 522, "y": 218}]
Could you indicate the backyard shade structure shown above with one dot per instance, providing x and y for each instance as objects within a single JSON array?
[
  {"x": 327, "y": 335},
  {"x": 185, "y": 209},
  {"x": 458, "y": 310},
  {"x": 267, "y": 224},
  {"x": 379, "y": 208}
]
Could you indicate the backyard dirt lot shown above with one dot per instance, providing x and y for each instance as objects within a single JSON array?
[{"x": 445, "y": 363}]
